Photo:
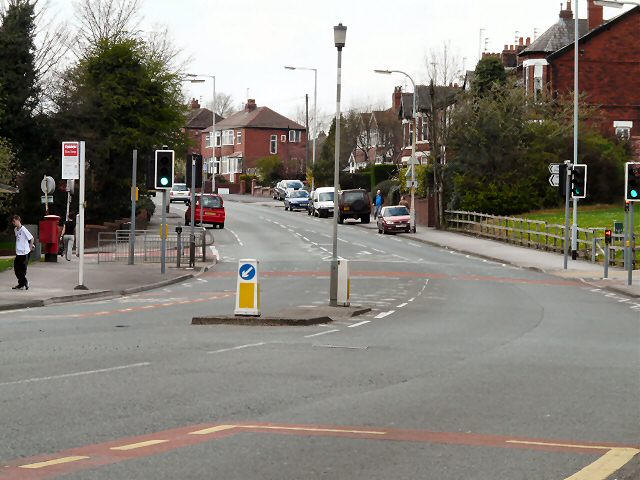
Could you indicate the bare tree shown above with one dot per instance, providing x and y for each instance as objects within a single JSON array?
[
  {"x": 324, "y": 119},
  {"x": 225, "y": 105},
  {"x": 444, "y": 66},
  {"x": 112, "y": 20}
]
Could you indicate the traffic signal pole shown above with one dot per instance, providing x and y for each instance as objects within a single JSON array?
[
  {"x": 566, "y": 215},
  {"x": 132, "y": 231},
  {"x": 632, "y": 242},
  {"x": 192, "y": 234},
  {"x": 163, "y": 233}
]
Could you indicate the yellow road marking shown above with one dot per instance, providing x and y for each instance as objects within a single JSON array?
[
  {"x": 133, "y": 446},
  {"x": 544, "y": 444},
  {"x": 207, "y": 431},
  {"x": 49, "y": 463},
  {"x": 306, "y": 429},
  {"x": 606, "y": 465}
]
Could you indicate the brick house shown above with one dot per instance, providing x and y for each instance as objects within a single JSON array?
[
  {"x": 609, "y": 65},
  {"x": 198, "y": 119},
  {"x": 253, "y": 133}
]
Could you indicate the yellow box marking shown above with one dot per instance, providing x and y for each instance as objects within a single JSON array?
[
  {"x": 207, "y": 431},
  {"x": 569, "y": 445},
  {"x": 606, "y": 465},
  {"x": 306, "y": 429},
  {"x": 50, "y": 463},
  {"x": 247, "y": 293},
  {"x": 133, "y": 446}
]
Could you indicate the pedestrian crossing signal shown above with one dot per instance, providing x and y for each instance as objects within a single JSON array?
[{"x": 608, "y": 234}]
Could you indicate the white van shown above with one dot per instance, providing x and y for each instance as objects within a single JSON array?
[{"x": 321, "y": 204}]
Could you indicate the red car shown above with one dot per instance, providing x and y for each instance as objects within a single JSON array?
[
  {"x": 213, "y": 207},
  {"x": 394, "y": 219}
]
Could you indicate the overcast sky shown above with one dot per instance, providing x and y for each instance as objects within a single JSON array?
[{"x": 246, "y": 43}]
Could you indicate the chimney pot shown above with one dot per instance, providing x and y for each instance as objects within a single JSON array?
[
  {"x": 521, "y": 41},
  {"x": 194, "y": 104},
  {"x": 251, "y": 105},
  {"x": 596, "y": 15},
  {"x": 528, "y": 41}
]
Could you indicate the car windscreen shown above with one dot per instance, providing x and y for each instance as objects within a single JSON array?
[
  {"x": 212, "y": 202},
  {"x": 299, "y": 194},
  {"x": 179, "y": 187},
  {"x": 350, "y": 197},
  {"x": 396, "y": 212},
  {"x": 294, "y": 184},
  {"x": 325, "y": 197}
]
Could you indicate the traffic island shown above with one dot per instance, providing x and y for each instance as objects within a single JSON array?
[{"x": 298, "y": 316}]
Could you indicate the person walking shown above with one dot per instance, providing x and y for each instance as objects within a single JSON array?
[
  {"x": 68, "y": 236},
  {"x": 378, "y": 204},
  {"x": 24, "y": 246},
  {"x": 403, "y": 201}
]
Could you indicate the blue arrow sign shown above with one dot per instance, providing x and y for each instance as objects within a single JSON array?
[{"x": 247, "y": 271}]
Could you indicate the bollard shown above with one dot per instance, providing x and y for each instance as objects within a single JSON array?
[
  {"x": 179, "y": 245},
  {"x": 192, "y": 251},
  {"x": 248, "y": 289},
  {"x": 344, "y": 283},
  {"x": 204, "y": 244},
  {"x": 607, "y": 241}
]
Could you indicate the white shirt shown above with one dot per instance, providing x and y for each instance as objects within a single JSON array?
[{"x": 23, "y": 237}]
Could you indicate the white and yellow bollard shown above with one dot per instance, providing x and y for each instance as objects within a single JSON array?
[
  {"x": 248, "y": 291},
  {"x": 344, "y": 283}
]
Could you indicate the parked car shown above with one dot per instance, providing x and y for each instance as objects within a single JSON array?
[
  {"x": 394, "y": 219},
  {"x": 280, "y": 191},
  {"x": 179, "y": 193},
  {"x": 354, "y": 204},
  {"x": 213, "y": 209},
  {"x": 321, "y": 204},
  {"x": 296, "y": 200}
]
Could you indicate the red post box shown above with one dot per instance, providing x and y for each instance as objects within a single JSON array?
[{"x": 49, "y": 237}]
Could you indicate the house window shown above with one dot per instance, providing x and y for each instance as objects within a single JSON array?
[
  {"x": 295, "y": 136},
  {"x": 283, "y": 138},
  {"x": 239, "y": 137},
  {"x": 623, "y": 129},
  {"x": 411, "y": 134},
  {"x": 227, "y": 137},
  {"x": 273, "y": 147},
  {"x": 233, "y": 165},
  {"x": 537, "y": 81},
  {"x": 218, "y": 138},
  {"x": 224, "y": 165},
  {"x": 425, "y": 130}
]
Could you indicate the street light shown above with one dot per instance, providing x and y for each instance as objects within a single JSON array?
[
  {"x": 614, "y": 3},
  {"x": 412, "y": 212},
  {"x": 194, "y": 79},
  {"x": 315, "y": 116},
  {"x": 339, "y": 37}
]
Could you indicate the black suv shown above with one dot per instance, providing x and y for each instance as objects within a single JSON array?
[{"x": 354, "y": 204}]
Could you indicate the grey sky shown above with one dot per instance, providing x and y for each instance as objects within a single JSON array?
[{"x": 246, "y": 43}]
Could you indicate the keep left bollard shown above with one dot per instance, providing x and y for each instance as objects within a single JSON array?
[{"x": 248, "y": 289}]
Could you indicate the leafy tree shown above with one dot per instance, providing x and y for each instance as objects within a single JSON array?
[
  {"x": 324, "y": 168},
  {"x": 269, "y": 169},
  {"x": 7, "y": 176},
  {"x": 490, "y": 72}
]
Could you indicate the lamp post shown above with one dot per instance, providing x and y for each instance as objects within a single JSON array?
[
  {"x": 339, "y": 37},
  {"x": 315, "y": 115},
  {"x": 213, "y": 139},
  {"x": 412, "y": 212}
]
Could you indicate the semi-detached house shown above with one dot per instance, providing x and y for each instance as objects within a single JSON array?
[{"x": 254, "y": 133}]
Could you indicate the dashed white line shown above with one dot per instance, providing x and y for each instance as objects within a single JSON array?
[
  {"x": 240, "y": 347},
  {"x": 384, "y": 314},
  {"x": 322, "y": 333},
  {"x": 364, "y": 322},
  {"x": 366, "y": 253},
  {"x": 402, "y": 305},
  {"x": 411, "y": 299},
  {"x": 237, "y": 237},
  {"x": 377, "y": 250}
]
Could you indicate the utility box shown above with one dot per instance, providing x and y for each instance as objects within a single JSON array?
[
  {"x": 49, "y": 237},
  {"x": 344, "y": 283}
]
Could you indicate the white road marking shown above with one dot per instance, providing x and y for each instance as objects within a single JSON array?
[
  {"x": 402, "y": 305},
  {"x": 401, "y": 257},
  {"x": 379, "y": 251},
  {"x": 305, "y": 239},
  {"x": 359, "y": 245},
  {"x": 384, "y": 314},
  {"x": 411, "y": 299},
  {"x": 364, "y": 322},
  {"x": 322, "y": 333},
  {"x": 365, "y": 252},
  {"x": 75, "y": 374},
  {"x": 203, "y": 280},
  {"x": 237, "y": 237},
  {"x": 240, "y": 347}
]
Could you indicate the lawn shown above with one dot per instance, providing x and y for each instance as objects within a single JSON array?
[
  {"x": 6, "y": 264},
  {"x": 589, "y": 216}
]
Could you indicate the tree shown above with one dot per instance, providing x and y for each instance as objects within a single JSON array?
[
  {"x": 225, "y": 105},
  {"x": 269, "y": 169},
  {"x": 110, "y": 21},
  {"x": 490, "y": 73},
  {"x": 7, "y": 176},
  {"x": 324, "y": 168}
]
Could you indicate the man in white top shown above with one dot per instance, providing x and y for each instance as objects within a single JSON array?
[{"x": 24, "y": 246}]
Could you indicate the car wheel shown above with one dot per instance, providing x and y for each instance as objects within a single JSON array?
[
  {"x": 186, "y": 222},
  {"x": 340, "y": 219},
  {"x": 286, "y": 208},
  {"x": 379, "y": 230},
  {"x": 365, "y": 218},
  {"x": 222, "y": 225},
  {"x": 408, "y": 230}
]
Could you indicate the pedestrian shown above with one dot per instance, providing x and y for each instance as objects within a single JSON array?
[
  {"x": 68, "y": 236},
  {"x": 403, "y": 201},
  {"x": 378, "y": 203},
  {"x": 24, "y": 246}
]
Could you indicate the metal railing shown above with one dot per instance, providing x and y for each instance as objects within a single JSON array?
[
  {"x": 114, "y": 246},
  {"x": 536, "y": 234}
]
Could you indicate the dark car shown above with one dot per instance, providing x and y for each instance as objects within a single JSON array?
[
  {"x": 354, "y": 204},
  {"x": 394, "y": 219},
  {"x": 281, "y": 188},
  {"x": 296, "y": 200}
]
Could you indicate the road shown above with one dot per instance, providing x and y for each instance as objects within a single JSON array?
[{"x": 464, "y": 369}]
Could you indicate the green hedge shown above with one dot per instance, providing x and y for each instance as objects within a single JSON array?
[{"x": 380, "y": 173}]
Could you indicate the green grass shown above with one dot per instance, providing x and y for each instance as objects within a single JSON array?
[
  {"x": 590, "y": 216},
  {"x": 6, "y": 264}
]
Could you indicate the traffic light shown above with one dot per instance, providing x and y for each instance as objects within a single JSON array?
[
  {"x": 579, "y": 181},
  {"x": 607, "y": 236},
  {"x": 164, "y": 169},
  {"x": 198, "y": 179},
  {"x": 562, "y": 174},
  {"x": 632, "y": 182}
]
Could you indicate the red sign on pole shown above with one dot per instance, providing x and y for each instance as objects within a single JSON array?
[{"x": 70, "y": 160}]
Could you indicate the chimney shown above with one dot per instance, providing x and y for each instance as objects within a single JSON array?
[
  {"x": 521, "y": 41},
  {"x": 596, "y": 15},
  {"x": 194, "y": 104},
  {"x": 396, "y": 99},
  {"x": 567, "y": 13},
  {"x": 251, "y": 105}
]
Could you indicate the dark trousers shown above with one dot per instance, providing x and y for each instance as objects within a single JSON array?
[{"x": 20, "y": 268}]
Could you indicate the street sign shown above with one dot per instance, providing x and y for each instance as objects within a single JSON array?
[
  {"x": 413, "y": 183},
  {"x": 554, "y": 168},
  {"x": 46, "y": 199},
  {"x": 70, "y": 160},
  {"x": 554, "y": 180},
  {"x": 48, "y": 185},
  {"x": 618, "y": 228},
  {"x": 248, "y": 290}
]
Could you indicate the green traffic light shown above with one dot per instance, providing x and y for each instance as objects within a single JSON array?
[
  {"x": 164, "y": 181},
  {"x": 634, "y": 193}
]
